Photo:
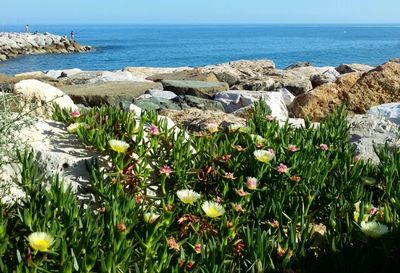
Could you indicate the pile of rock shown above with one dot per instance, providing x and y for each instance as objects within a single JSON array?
[{"x": 13, "y": 44}]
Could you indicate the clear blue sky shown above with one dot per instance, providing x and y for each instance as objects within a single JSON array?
[{"x": 199, "y": 11}]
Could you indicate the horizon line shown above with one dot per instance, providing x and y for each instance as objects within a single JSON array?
[{"x": 203, "y": 24}]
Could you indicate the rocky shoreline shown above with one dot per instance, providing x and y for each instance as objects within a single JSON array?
[{"x": 13, "y": 44}]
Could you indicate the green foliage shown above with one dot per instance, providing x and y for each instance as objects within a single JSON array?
[{"x": 305, "y": 218}]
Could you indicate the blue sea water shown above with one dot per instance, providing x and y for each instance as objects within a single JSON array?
[{"x": 118, "y": 46}]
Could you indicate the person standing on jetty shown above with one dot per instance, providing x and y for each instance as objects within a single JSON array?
[
  {"x": 27, "y": 28},
  {"x": 72, "y": 35}
]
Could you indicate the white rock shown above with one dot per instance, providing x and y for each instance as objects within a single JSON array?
[
  {"x": 233, "y": 100},
  {"x": 57, "y": 73},
  {"x": 391, "y": 111},
  {"x": 135, "y": 109},
  {"x": 369, "y": 130},
  {"x": 43, "y": 94},
  {"x": 164, "y": 94}
]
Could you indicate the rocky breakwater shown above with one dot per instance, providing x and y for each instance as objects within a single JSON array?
[{"x": 13, "y": 44}]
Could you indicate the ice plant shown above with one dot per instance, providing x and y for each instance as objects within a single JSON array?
[
  {"x": 197, "y": 248},
  {"x": 229, "y": 176},
  {"x": 241, "y": 192},
  {"x": 282, "y": 168},
  {"x": 269, "y": 118},
  {"x": 173, "y": 244},
  {"x": 165, "y": 170},
  {"x": 293, "y": 148},
  {"x": 153, "y": 130},
  {"x": 118, "y": 146},
  {"x": 75, "y": 114},
  {"x": 40, "y": 241},
  {"x": 188, "y": 196},
  {"x": 264, "y": 156},
  {"x": 374, "y": 229},
  {"x": 212, "y": 127},
  {"x": 323, "y": 147},
  {"x": 213, "y": 209},
  {"x": 251, "y": 183},
  {"x": 75, "y": 126},
  {"x": 295, "y": 178},
  {"x": 150, "y": 217},
  {"x": 234, "y": 127}
]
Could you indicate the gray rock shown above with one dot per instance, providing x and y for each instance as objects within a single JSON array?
[
  {"x": 195, "y": 88},
  {"x": 320, "y": 79},
  {"x": 298, "y": 65},
  {"x": 368, "y": 130},
  {"x": 157, "y": 104},
  {"x": 200, "y": 103},
  {"x": 161, "y": 94},
  {"x": 55, "y": 74},
  {"x": 110, "y": 93},
  {"x": 348, "y": 68},
  {"x": 390, "y": 111},
  {"x": 6, "y": 87}
]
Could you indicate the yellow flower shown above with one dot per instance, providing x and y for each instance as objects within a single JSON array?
[
  {"x": 374, "y": 229},
  {"x": 188, "y": 196},
  {"x": 264, "y": 156},
  {"x": 75, "y": 126},
  {"x": 40, "y": 241},
  {"x": 213, "y": 209},
  {"x": 212, "y": 127},
  {"x": 234, "y": 127},
  {"x": 118, "y": 145}
]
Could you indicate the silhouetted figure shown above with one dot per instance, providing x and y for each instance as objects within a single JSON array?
[
  {"x": 72, "y": 35},
  {"x": 27, "y": 28}
]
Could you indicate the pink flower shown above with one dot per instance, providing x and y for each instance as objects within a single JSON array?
[
  {"x": 271, "y": 151},
  {"x": 293, "y": 148},
  {"x": 218, "y": 199},
  {"x": 295, "y": 178},
  {"x": 165, "y": 170},
  {"x": 269, "y": 118},
  {"x": 197, "y": 248},
  {"x": 229, "y": 176},
  {"x": 274, "y": 224},
  {"x": 75, "y": 114},
  {"x": 153, "y": 130},
  {"x": 282, "y": 168},
  {"x": 373, "y": 211},
  {"x": 323, "y": 147},
  {"x": 357, "y": 158},
  {"x": 241, "y": 192},
  {"x": 251, "y": 183},
  {"x": 238, "y": 208}
]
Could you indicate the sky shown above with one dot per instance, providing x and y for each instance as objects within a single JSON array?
[{"x": 72, "y": 12}]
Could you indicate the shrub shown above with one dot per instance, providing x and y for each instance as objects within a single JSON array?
[{"x": 304, "y": 210}]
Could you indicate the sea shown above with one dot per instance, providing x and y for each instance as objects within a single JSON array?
[{"x": 119, "y": 46}]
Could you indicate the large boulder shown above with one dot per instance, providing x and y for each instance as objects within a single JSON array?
[
  {"x": 156, "y": 103},
  {"x": 55, "y": 74},
  {"x": 322, "y": 100},
  {"x": 378, "y": 86},
  {"x": 189, "y": 75},
  {"x": 188, "y": 101},
  {"x": 195, "y": 119},
  {"x": 109, "y": 93},
  {"x": 56, "y": 152},
  {"x": 145, "y": 72},
  {"x": 349, "y": 68},
  {"x": 42, "y": 94},
  {"x": 195, "y": 88},
  {"x": 165, "y": 94},
  {"x": 94, "y": 77},
  {"x": 234, "y": 100},
  {"x": 390, "y": 111},
  {"x": 368, "y": 130},
  {"x": 359, "y": 91}
]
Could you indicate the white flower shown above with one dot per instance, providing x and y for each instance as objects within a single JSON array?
[
  {"x": 75, "y": 126},
  {"x": 264, "y": 156},
  {"x": 374, "y": 229},
  {"x": 213, "y": 209},
  {"x": 118, "y": 145},
  {"x": 40, "y": 241},
  {"x": 234, "y": 127},
  {"x": 188, "y": 196},
  {"x": 151, "y": 217}
]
